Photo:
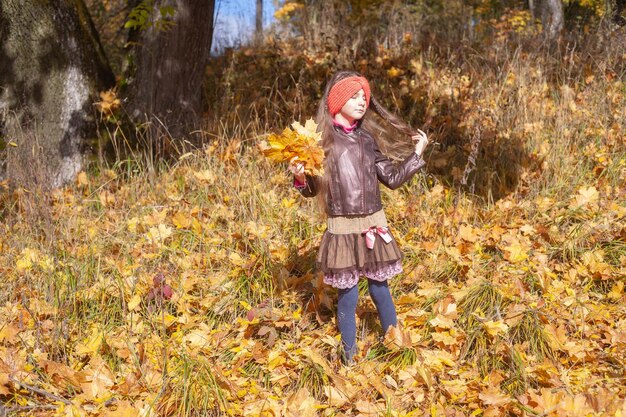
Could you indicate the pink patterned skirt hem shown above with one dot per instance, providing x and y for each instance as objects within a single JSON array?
[{"x": 348, "y": 279}]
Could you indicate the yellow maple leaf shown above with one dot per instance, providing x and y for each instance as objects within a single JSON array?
[
  {"x": 134, "y": 302},
  {"x": 616, "y": 292},
  {"x": 442, "y": 322},
  {"x": 159, "y": 234},
  {"x": 494, "y": 328},
  {"x": 594, "y": 261},
  {"x": 336, "y": 398},
  {"x": 317, "y": 359},
  {"x": 528, "y": 230},
  {"x": 301, "y": 142},
  {"x": 197, "y": 339},
  {"x": 437, "y": 359},
  {"x": 396, "y": 338},
  {"x": 82, "y": 178},
  {"x": 181, "y": 220},
  {"x": 46, "y": 263},
  {"x": 29, "y": 256},
  {"x": 300, "y": 404},
  {"x": 445, "y": 338},
  {"x": 585, "y": 197},
  {"x": 367, "y": 408},
  {"x": 9, "y": 332},
  {"x": 154, "y": 218},
  {"x": 516, "y": 252},
  {"x": 236, "y": 259},
  {"x": 206, "y": 176},
  {"x": 275, "y": 359},
  {"x": 61, "y": 374},
  {"x": 468, "y": 233},
  {"x": 575, "y": 405},
  {"x": 97, "y": 380},
  {"x": 288, "y": 202},
  {"x": 309, "y": 129},
  {"x": 279, "y": 253},
  {"x": 4, "y": 382},
  {"x": 493, "y": 396},
  {"x": 132, "y": 224},
  {"x": 90, "y": 345}
]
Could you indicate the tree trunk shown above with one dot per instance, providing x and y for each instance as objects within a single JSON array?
[
  {"x": 259, "y": 20},
  {"x": 165, "y": 85},
  {"x": 51, "y": 68},
  {"x": 550, "y": 12}
]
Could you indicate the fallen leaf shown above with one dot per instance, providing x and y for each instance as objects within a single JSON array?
[
  {"x": 495, "y": 328},
  {"x": 494, "y": 397}
]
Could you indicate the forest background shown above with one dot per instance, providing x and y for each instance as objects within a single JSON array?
[{"x": 155, "y": 263}]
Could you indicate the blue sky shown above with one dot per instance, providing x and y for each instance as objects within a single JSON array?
[{"x": 235, "y": 21}]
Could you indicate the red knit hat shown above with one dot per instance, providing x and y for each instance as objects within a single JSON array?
[{"x": 342, "y": 90}]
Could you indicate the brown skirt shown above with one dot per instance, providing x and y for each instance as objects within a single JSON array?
[{"x": 344, "y": 255}]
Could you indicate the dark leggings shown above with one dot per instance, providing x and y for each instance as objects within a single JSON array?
[{"x": 346, "y": 312}]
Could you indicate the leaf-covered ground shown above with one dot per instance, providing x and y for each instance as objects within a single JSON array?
[
  {"x": 516, "y": 308},
  {"x": 192, "y": 290}
]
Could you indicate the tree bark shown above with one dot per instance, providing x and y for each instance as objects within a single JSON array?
[
  {"x": 259, "y": 20},
  {"x": 550, "y": 12},
  {"x": 165, "y": 85},
  {"x": 52, "y": 67}
]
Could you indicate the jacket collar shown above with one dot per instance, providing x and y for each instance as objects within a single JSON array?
[{"x": 346, "y": 129}]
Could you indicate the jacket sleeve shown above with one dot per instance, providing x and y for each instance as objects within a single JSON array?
[
  {"x": 393, "y": 176},
  {"x": 309, "y": 188}
]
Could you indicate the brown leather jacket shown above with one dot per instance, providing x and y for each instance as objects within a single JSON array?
[{"x": 355, "y": 165}]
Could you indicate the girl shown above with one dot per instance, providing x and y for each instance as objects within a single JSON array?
[{"x": 357, "y": 241}]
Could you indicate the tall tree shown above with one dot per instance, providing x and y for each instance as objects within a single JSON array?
[
  {"x": 259, "y": 20},
  {"x": 550, "y": 12},
  {"x": 51, "y": 69},
  {"x": 170, "y": 57}
]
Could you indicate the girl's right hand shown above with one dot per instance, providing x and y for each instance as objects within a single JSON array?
[
  {"x": 297, "y": 169},
  {"x": 422, "y": 142}
]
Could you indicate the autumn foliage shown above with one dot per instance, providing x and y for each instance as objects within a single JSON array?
[
  {"x": 190, "y": 289},
  {"x": 301, "y": 143}
]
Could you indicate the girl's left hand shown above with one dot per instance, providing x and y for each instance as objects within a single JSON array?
[
  {"x": 422, "y": 142},
  {"x": 297, "y": 169}
]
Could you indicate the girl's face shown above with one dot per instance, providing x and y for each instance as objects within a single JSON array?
[{"x": 355, "y": 107}]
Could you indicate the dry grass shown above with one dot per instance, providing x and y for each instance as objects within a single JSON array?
[{"x": 242, "y": 244}]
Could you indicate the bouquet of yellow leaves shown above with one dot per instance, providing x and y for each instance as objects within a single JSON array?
[{"x": 302, "y": 142}]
